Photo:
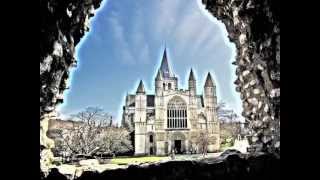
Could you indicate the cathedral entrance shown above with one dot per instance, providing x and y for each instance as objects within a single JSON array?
[
  {"x": 151, "y": 151},
  {"x": 177, "y": 141},
  {"x": 177, "y": 146}
]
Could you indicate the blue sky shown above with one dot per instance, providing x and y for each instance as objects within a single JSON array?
[{"x": 126, "y": 42}]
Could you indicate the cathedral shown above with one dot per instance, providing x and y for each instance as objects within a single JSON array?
[{"x": 172, "y": 118}]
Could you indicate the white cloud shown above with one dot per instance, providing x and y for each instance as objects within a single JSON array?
[
  {"x": 167, "y": 15},
  {"x": 193, "y": 33},
  {"x": 186, "y": 29},
  {"x": 120, "y": 39},
  {"x": 204, "y": 34},
  {"x": 145, "y": 54},
  {"x": 139, "y": 41},
  {"x": 177, "y": 20},
  {"x": 131, "y": 43}
]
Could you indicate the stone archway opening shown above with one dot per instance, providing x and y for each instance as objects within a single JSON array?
[
  {"x": 151, "y": 145},
  {"x": 254, "y": 26},
  {"x": 178, "y": 143}
]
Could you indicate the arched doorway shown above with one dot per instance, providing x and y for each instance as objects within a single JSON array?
[
  {"x": 178, "y": 142},
  {"x": 152, "y": 144}
]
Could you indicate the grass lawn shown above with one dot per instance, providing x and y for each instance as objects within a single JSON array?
[
  {"x": 137, "y": 159},
  {"x": 225, "y": 146}
]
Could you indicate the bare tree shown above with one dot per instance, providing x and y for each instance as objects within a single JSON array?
[
  {"x": 230, "y": 126},
  {"x": 229, "y": 130},
  {"x": 115, "y": 140},
  {"x": 92, "y": 131},
  {"x": 225, "y": 114},
  {"x": 203, "y": 141}
]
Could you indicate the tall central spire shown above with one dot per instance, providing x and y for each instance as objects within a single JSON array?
[{"x": 164, "y": 68}]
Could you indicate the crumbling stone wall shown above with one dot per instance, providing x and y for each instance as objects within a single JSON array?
[
  {"x": 62, "y": 24},
  {"x": 254, "y": 27}
]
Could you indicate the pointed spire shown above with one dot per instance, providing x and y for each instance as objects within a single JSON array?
[
  {"x": 209, "y": 82},
  {"x": 141, "y": 88},
  {"x": 159, "y": 76},
  {"x": 191, "y": 76},
  {"x": 164, "y": 68},
  {"x": 127, "y": 99}
]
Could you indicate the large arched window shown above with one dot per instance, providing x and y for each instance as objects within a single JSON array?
[{"x": 177, "y": 113}]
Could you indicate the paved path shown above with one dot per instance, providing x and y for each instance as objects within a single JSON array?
[{"x": 196, "y": 156}]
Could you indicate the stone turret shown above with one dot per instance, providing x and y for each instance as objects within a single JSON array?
[
  {"x": 140, "y": 89},
  {"x": 140, "y": 119},
  {"x": 140, "y": 104},
  {"x": 209, "y": 97},
  {"x": 213, "y": 124},
  {"x": 209, "y": 81},
  {"x": 158, "y": 84},
  {"x": 192, "y": 84},
  {"x": 168, "y": 81}
]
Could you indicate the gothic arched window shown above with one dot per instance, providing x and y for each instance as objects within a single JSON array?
[{"x": 177, "y": 113}]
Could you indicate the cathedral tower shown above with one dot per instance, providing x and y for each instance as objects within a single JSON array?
[
  {"x": 210, "y": 103},
  {"x": 159, "y": 84},
  {"x": 192, "y": 110},
  {"x": 209, "y": 97},
  {"x": 192, "y": 84},
  {"x": 165, "y": 80},
  {"x": 172, "y": 118},
  {"x": 140, "y": 118}
]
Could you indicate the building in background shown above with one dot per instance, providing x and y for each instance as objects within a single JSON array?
[{"x": 171, "y": 118}]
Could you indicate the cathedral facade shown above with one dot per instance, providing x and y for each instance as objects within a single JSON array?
[{"x": 172, "y": 118}]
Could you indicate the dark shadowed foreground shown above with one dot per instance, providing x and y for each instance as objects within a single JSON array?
[{"x": 232, "y": 166}]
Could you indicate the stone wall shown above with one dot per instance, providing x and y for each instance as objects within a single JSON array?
[
  {"x": 62, "y": 24},
  {"x": 254, "y": 27},
  {"x": 62, "y": 124}
]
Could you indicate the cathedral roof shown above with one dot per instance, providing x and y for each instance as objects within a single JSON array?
[
  {"x": 141, "y": 88},
  {"x": 200, "y": 101},
  {"x": 150, "y": 100},
  {"x": 159, "y": 76},
  {"x": 191, "y": 76},
  {"x": 164, "y": 68},
  {"x": 131, "y": 100},
  {"x": 209, "y": 82}
]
